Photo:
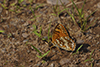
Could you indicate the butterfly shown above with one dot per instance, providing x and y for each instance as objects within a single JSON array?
[{"x": 61, "y": 38}]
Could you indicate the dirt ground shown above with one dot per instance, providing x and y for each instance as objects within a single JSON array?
[{"x": 15, "y": 42}]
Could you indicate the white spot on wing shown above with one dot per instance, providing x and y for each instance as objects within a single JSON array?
[
  {"x": 57, "y": 41},
  {"x": 66, "y": 43},
  {"x": 66, "y": 38},
  {"x": 72, "y": 44},
  {"x": 56, "y": 44},
  {"x": 60, "y": 44}
]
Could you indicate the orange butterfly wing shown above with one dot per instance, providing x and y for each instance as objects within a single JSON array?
[{"x": 60, "y": 38}]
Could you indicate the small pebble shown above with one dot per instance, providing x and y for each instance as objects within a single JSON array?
[
  {"x": 39, "y": 63},
  {"x": 87, "y": 64},
  {"x": 90, "y": 37},
  {"x": 91, "y": 19},
  {"x": 97, "y": 42},
  {"x": 25, "y": 41},
  {"x": 97, "y": 35},
  {"x": 25, "y": 24},
  {"x": 51, "y": 65},
  {"x": 3, "y": 50},
  {"x": 23, "y": 3},
  {"x": 25, "y": 35}
]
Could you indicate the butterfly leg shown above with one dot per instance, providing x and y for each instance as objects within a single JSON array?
[
  {"x": 50, "y": 49},
  {"x": 59, "y": 51},
  {"x": 57, "y": 48}
]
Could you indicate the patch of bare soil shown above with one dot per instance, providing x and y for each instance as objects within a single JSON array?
[{"x": 15, "y": 42}]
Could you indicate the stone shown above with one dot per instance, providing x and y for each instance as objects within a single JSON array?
[
  {"x": 98, "y": 5},
  {"x": 64, "y": 61},
  {"x": 54, "y": 2},
  {"x": 79, "y": 41}
]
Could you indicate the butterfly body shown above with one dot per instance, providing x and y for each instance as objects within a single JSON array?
[{"x": 61, "y": 39}]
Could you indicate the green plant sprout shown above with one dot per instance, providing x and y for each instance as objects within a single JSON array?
[
  {"x": 4, "y": 1},
  {"x": 56, "y": 10},
  {"x": 35, "y": 31},
  {"x": 69, "y": 13},
  {"x": 30, "y": 1},
  {"x": 90, "y": 58},
  {"x": 20, "y": 1},
  {"x": 82, "y": 21},
  {"x": 9, "y": 35},
  {"x": 78, "y": 49},
  {"x": 48, "y": 35},
  {"x": 13, "y": 4},
  {"x": 40, "y": 54},
  {"x": 89, "y": 26},
  {"x": 33, "y": 12},
  {"x": 2, "y": 31},
  {"x": 4, "y": 6},
  {"x": 17, "y": 7},
  {"x": 39, "y": 35}
]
